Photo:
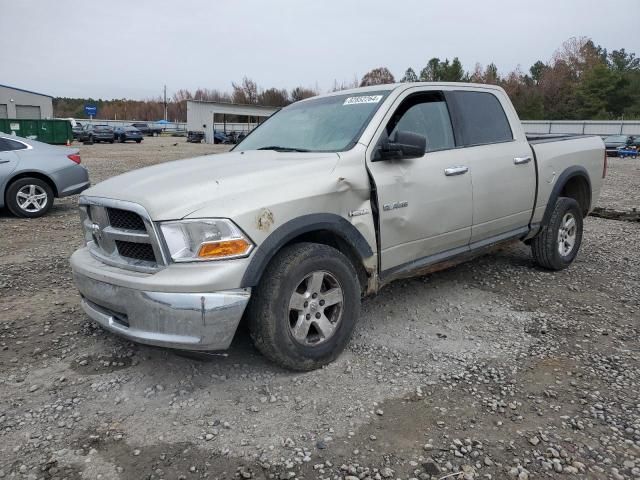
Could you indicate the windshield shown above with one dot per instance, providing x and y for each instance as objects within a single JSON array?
[{"x": 327, "y": 124}]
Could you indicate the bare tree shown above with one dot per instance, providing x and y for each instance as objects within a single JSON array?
[
  {"x": 300, "y": 93},
  {"x": 274, "y": 97},
  {"x": 246, "y": 92},
  {"x": 377, "y": 76}
]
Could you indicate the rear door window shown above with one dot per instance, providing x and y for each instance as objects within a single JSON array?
[
  {"x": 7, "y": 145},
  {"x": 482, "y": 119}
]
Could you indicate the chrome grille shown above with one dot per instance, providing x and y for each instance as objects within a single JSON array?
[
  {"x": 136, "y": 251},
  {"x": 125, "y": 219},
  {"x": 121, "y": 234}
]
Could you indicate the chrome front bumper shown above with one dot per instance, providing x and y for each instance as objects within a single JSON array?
[{"x": 188, "y": 321}]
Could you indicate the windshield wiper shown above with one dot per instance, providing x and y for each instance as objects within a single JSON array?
[{"x": 283, "y": 149}]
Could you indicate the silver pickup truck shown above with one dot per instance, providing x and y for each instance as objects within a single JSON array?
[{"x": 326, "y": 202}]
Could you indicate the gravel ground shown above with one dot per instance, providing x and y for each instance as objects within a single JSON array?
[
  {"x": 492, "y": 369},
  {"x": 622, "y": 188}
]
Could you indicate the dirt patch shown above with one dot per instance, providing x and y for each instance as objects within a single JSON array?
[{"x": 609, "y": 214}]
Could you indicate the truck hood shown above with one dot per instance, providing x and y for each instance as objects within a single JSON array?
[{"x": 174, "y": 190}]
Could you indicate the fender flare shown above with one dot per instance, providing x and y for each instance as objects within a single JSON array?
[
  {"x": 568, "y": 174},
  {"x": 296, "y": 227}
]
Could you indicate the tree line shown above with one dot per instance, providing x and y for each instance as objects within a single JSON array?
[{"x": 581, "y": 81}]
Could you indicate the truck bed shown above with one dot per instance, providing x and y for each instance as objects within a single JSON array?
[
  {"x": 553, "y": 137},
  {"x": 558, "y": 157}
]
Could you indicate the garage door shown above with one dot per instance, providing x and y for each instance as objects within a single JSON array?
[
  {"x": 3, "y": 110},
  {"x": 27, "y": 111}
]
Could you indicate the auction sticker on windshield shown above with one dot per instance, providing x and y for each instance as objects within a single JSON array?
[{"x": 362, "y": 99}]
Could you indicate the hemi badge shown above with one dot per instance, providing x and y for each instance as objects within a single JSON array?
[{"x": 392, "y": 206}]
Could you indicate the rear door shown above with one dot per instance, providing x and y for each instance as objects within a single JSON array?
[
  {"x": 500, "y": 162},
  {"x": 8, "y": 159},
  {"x": 424, "y": 203}
]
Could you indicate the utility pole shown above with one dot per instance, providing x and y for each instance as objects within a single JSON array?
[{"x": 165, "y": 103}]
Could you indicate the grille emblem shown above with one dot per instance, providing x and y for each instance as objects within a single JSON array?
[{"x": 95, "y": 230}]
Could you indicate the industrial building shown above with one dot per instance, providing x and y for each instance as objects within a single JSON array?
[
  {"x": 209, "y": 116},
  {"x": 24, "y": 104}
]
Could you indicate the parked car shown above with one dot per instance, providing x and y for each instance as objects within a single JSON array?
[
  {"x": 235, "y": 137},
  {"x": 122, "y": 134},
  {"x": 194, "y": 136},
  {"x": 32, "y": 174},
  {"x": 220, "y": 137},
  {"x": 613, "y": 142},
  {"x": 147, "y": 130},
  {"x": 76, "y": 130},
  {"x": 96, "y": 133},
  {"x": 328, "y": 200}
]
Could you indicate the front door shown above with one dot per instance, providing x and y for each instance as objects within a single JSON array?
[{"x": 425, "y": 204}]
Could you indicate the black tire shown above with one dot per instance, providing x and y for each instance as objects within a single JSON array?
[
  {"x": 111, "y": 141},
  {"x": 545, "y": 247},
  {"x": 121, "y": 139},
  {"x": 11, "y": 198},
  {"x": 90, "y": 141},
  {"x": 269, "y": 313},
  {"x": 138, "y": 141}
]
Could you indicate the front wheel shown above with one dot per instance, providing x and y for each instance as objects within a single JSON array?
[
  {"x": 556, "y": 247},
  {"x": 302, "y": 314}
]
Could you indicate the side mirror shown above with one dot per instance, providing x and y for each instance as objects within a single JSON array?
[{"x": 402, "y": 146}]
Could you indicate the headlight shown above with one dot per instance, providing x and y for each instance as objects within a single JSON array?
[{"x": 197, "y": 240}]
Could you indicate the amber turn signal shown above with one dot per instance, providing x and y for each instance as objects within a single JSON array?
[{"x": 224, "y": 248}]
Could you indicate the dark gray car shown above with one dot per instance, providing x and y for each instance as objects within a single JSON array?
[
  {"x": 123, "y": 134},
  {"x": 613, "y": 142},
  {"x": 96, "y": 133},
  {"x": 32, "y": 174}
]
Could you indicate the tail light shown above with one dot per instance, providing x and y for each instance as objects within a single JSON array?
[
  {"x": 604, "y": 165},
  {"x": 74, "y": 158}
]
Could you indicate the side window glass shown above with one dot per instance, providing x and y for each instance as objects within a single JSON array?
[
  {"x": 7, "y": 145},
  {"x": 426, "y": 115},
  {"x": 483, "y": 118},
  {"x": 13, "y": 145}
]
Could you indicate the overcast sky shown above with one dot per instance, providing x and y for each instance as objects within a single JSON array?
[{"x": 122, "y": 48}]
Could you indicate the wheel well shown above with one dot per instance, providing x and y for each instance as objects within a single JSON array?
[
  {"x": 38, "y": 175},
  {"x": 577, "y": 187},
  {"x": 332, "y": 239}
]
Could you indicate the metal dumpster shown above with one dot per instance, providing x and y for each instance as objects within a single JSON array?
[{"x": 56, "y": 132}]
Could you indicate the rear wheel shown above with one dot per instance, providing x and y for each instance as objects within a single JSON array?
[
  {"x": 302, "y": 314},
  {"x": 557, "y": 245},
  {"x": 29, "y": 197}
]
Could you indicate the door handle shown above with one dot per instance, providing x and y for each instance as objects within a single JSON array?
[
  {"x": 522, "y": 160},
  {"x": 459, "y": 170},
  {"x": 5, "y": 161}
]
